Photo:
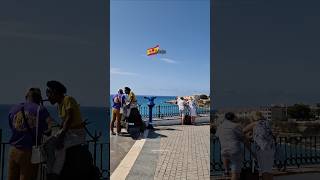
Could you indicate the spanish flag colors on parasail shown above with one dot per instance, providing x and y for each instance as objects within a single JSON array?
[{"x": 153, "y": 51}]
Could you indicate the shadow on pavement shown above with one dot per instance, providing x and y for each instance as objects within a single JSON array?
[
  {"x": 154, "y": 135},
  {"x": 202, "y": 124},
  {"x": 166, "y": 129}
]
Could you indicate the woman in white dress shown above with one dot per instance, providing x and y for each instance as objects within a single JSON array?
[{"x": 193, "y": 110}]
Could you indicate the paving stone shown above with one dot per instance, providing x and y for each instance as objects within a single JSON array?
[{"x": 184, "y": 153}]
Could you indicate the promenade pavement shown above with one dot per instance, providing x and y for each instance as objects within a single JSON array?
[
  {"x": 184, "y": 153},
  {"x": 171, "y": 151},
  {"x": 119, "y": 147},
  {"x": 306, "y": 176},
  {"x": 175, "y": 152}
]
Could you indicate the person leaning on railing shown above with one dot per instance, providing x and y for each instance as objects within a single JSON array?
[
  {"x": 117, "y": 111},
  {"x": 193, "y": 110},
  {"x": 264, "y": 141},
  {"x": 131, "y": 101},
  {"x": 182, "y": 108},
  {"x": 231, "y": 138},
  {"x": 72, "y": 132},
  {"x": 28, "y": 123}
]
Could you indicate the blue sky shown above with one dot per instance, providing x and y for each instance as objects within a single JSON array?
[
  {"x": 267, "y": 52},
  {"x": 53, "y": 40},
  {"x": 182, "y": 28}
]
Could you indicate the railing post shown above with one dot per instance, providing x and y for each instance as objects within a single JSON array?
[
  {"x": 159, "y": 116},
  {"x": 101, "y": 156},
  {"x": 95, "y": 148},
  {"x": 315, "y": 149}
]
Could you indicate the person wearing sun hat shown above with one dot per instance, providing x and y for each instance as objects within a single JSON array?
[{"x": 72, "y": 132}]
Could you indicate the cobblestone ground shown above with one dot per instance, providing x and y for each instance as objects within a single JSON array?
[{"x": 184, "y": 153}]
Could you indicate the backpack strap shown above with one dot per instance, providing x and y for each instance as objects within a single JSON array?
[
  {"x": 28, "y": 126},
  {"x": 26, "y": 122}
]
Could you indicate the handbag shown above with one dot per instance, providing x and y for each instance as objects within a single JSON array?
[
  {"x": 36, "y": 154},
  {"x": 121, "y": 107},
  {"x": 119, "y": 97}
]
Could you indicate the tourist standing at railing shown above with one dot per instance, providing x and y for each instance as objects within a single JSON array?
[
  {"x": 28, "y": 122},
  {"x": 264, "y": 141},
  {"x": 117, "y": 111},
  {"x": 182, "y": 108},
  {"x": 72, "y": 133},
  {"x": 231, "y": 138},
  {"x": 193, "y": 110},
  {"x": 131, "y": 101}
]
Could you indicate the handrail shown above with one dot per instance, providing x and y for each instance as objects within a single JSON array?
[
  {"x": 97, "y": 150},
  {"x": 161, "y": 111},
  {"x": 290, "y": 152}
]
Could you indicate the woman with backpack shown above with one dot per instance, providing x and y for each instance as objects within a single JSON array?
[{"x": 117, "y": 110}]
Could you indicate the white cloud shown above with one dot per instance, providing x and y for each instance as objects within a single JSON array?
[
  {"x": 144, "y": 55},
  {"x": 170, "y": 61},
  {"x": 118, "y": 71},
  {"x": 167, "y": 60}
]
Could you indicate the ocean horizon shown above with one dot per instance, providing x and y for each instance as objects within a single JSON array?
[{"x": 96, "y": 115}]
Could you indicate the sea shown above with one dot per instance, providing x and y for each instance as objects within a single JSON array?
[
  {"x": 159, "y": 100},
  {"x": 96, "y": 116}
]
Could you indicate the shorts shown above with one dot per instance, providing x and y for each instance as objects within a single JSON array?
[
  {"x": 265, "y": 160},
  {"x": 236, "y": 162},
  {"x": 20, "y": 165},
  {"x": 182, "y": 112}
]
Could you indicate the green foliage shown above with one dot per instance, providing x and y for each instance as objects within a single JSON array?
[
  {"x": 299, "y": 112},
  {"x": 312, "y": 130}
]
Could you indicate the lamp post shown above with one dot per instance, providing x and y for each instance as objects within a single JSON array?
[{"x": 150, "y": 105}]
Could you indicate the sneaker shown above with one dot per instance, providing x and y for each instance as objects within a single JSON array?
[{"x": 113, "y": 133}]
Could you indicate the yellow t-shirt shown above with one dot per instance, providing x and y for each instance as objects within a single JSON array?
[
  {"x": 132, "y": 97},
  {"x": 70, "y": 103}
]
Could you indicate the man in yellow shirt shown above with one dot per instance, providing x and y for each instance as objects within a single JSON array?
[
  {"x": 72, "y": 132},
  {"x": 131, "y": 101},
  {"x": 131, "y": 96},
  {"x": 68, "y": 108}
]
